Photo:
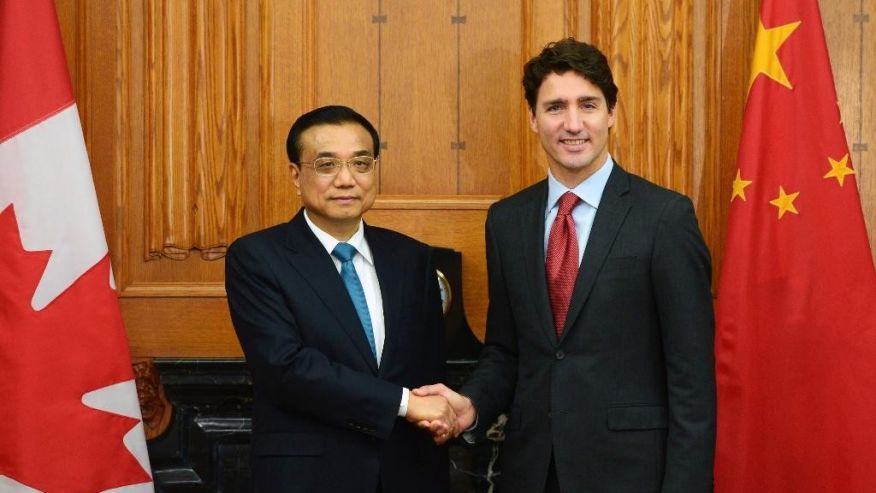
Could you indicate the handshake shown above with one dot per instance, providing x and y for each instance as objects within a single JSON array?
[{"x": 440, "y": 411}]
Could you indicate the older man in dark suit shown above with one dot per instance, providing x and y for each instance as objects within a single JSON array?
[
  {"x": 338, "y": 320},
  {"x": 600, "y": 325}
]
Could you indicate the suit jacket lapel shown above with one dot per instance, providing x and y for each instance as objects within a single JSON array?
[
  {"x": 391, "y": 276},
  {"x": 532, "y": 236},
  {"x": 613, "y": 209},
  {"x": 308, "y": 257}
]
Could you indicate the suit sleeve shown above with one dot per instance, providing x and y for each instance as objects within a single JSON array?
[
  {"x": 491, "y": 386},
  {"x": 301, "y": 379},
  {"x": 681, "y": 276}
]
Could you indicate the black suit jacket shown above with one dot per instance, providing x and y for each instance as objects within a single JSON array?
[
  {"x": 625, "y": 401},
  {"x": 324, "y": 415}
]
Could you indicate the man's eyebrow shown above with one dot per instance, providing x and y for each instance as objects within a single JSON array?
[
  {"x": 362, "y": 152},
  {"x": 553, "y": 102}
]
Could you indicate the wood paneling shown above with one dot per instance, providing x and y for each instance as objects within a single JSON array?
[
  {"x": 663, "y": 55},
  {"x": 186, "y": 105},
  {"x": 194, "y": 158}
]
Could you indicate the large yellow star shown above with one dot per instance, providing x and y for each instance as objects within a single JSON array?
[
  {"x": 785, "y": 202},
  {"x": 839, "y": 169},
  {"x": 766, "y": 59},
  {"x": 739, "y": 186}
]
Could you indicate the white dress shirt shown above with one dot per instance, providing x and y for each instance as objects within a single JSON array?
[{"x": 363, "y": 261}]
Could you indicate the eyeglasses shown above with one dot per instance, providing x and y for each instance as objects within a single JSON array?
[{"x": 330, "y": 166}]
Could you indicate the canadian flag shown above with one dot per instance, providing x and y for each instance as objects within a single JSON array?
[{"x": 69, "y": 415}]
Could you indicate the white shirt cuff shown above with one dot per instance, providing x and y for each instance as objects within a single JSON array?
[{"x": 403, "y": 405}]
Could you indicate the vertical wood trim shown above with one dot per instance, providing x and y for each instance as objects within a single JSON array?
[
  {"x": 585, "y": 21},
  {"x": 267, "y": 109},
  {"x": 81, "y": 75},
  {"x": 121, "y": 142},
  {"x": 518, "y": 169},
  {"x": 708, "y": 198},
  {"x": 152, "y": 124},
  {"x": 309, "y": 54},
  {"x": 570, "y": 28}
]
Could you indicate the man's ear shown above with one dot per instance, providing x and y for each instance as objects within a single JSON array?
[
  {"x": 296, "y": 176},
  {"x": 533, "y": 124}
]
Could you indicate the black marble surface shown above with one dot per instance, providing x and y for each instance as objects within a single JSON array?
[{"x": 206, "y": 446}]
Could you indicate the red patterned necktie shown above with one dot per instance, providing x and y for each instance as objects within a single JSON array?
[{"x": 561, "y": 263}]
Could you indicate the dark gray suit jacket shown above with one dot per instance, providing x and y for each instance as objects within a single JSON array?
[
  {"x": 625, "y": 401},
  {"x": 324, "y": 415}
]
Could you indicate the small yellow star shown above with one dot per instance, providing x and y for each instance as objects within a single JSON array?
[
  {"x": 839, "y": 169},
  {"x": 766, "y": 59},
  {"x": 739, "y": 186},
  {"x": 785, "y": 202}
]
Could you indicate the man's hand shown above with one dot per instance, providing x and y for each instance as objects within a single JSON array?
[
  {"x": 462, "y": 407},
  {"x": 433, "y": 413}
]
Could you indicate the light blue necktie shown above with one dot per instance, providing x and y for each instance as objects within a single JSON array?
[{"x": 344, "y": 252}]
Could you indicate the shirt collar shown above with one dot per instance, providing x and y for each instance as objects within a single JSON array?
[
  {"x": 589, "y": 190},
  {"x": 329, "y": 242}
]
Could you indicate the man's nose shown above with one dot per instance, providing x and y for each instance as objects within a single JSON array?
[
  {"x": 574, "y": 121},
  {"x": 344, "y": 176}
]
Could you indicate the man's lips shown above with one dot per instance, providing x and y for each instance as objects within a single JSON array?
[
  {"x": 344, "y": 199},
  {"x": 574, "y": 145},
  {"x": 574, "y": 142}
]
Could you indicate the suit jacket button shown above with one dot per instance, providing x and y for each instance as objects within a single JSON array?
[{"x": 560, "y": 354}]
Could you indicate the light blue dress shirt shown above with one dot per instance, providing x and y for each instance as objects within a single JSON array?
[{"x": 590, "y": 193}]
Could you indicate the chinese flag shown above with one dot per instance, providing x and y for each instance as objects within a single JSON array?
[
  {"x": 796, "y": 320},
  {"x": 69, "y": 415}
]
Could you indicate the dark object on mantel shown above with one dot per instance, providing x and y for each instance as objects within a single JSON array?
[
  {"x": 462, "y": 345},
  {"x": 206, "y": 447}
]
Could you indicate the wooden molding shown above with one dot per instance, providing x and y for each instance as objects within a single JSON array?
[
  {"x": 173, "y": 290},
  {"x": 433, "y": 202}
]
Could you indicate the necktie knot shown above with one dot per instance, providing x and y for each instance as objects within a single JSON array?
[
  {"x": 344, "y": 252},
  {"x": 568, "y": 201}
]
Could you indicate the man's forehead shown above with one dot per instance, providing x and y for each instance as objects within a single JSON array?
[{"x": 343, "y": 137}]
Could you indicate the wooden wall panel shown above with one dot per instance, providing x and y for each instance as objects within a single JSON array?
[
  {"x": 488, "y": 127},
  {"x": 419, "y": 107},
  {"x": 195, "y": 139},
  {"x": 287, "y": 89},
  {"x": 186, "y": 105},
  {"x": 344, "y": 52},
  {"x": 668, "y": 79}
]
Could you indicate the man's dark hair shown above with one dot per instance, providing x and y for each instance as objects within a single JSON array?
[
  {"x": 326, "y": 115},
  {"x": 562, "y": 56}
]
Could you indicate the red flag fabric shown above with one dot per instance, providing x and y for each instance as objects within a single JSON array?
[
  {"x": 69, "y": 416},
  {"x": 796, "y": 324}
]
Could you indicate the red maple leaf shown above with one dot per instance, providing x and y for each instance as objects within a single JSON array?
[{"x": 49, "y": 439}]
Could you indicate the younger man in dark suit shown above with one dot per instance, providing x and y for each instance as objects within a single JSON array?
[
  {"x": 337, "y": 320},
  {"x": 600, "y": 326}
]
